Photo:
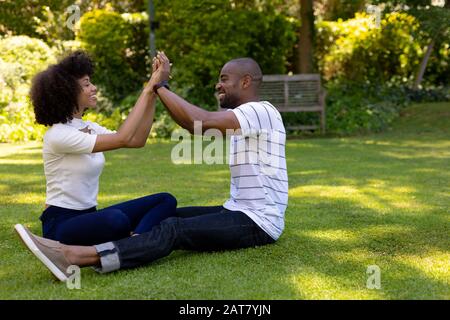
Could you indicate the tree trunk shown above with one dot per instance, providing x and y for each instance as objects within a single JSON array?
[
  {"x": 424, "y": 62},
  {"x": 423, "y": 65},
  {"x": 306, "y": 53}
]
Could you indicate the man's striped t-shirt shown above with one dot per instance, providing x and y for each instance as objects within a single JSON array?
[{"x": 259, "y": 179}]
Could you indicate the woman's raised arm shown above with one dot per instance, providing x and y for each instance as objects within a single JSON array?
[{"x": 134, "y": 131}]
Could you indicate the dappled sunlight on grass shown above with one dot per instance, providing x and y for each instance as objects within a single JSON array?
[
  {"x": 434, "y": 265},
  {"x": 21, "y": 162},
  {"x": 306, "y": 172},
  {"x": 332, "y": 235},
  {"x": 20, "y": 178},
  {"x": 8, "y": 150},
  {"x": 8, "y": 227},
  {"x": 312, "y": 284},
  {"x": 403, "y": 155},
  {"x": 378, "y": 143},
  {"x": 26, "y": 198},
  {"x": 424, "y": 144},
  {"x": 357, "y": 256},
  {"x": 333, "y": 192},
  {"x": 385, "y": 229},
  {"x": 370, "y": 197}
]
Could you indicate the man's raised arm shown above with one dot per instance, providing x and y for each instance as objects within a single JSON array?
[{"x": 185, "y": 113}]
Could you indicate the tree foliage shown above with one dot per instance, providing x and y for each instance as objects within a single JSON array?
[
  {"x": 208, "y": 33},
  {"x": 109, "y": 37}
]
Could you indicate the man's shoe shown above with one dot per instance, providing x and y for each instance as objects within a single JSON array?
[{"x": 46, "y": 250}]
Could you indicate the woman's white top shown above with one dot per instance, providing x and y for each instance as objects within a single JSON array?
[{"x": 71, "y": 169}]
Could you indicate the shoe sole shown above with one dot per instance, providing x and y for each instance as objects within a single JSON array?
[{"x": 29, "y": 243}]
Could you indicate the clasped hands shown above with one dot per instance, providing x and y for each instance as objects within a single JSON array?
[{"x": 160, "y": 70}]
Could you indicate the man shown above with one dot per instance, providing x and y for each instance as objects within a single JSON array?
[{"x": 252, "y": 216}]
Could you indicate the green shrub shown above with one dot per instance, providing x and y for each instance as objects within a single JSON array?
[
  {"x": 358, "y": 50},
  {"x": 355, "y": 107},
  {"x": 63, "y": 47},
  {"x": 111, "y": 121},
  {"x": 17, "y": 123},
  {"x": 12, "y": 79},
  {"x": 32, "y": 54},
  {"x": 21, "y": 58},
  {"x": 163, "y": 126},
  {"x": 431, "y": 94}
]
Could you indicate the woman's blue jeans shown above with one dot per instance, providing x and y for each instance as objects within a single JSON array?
[{"x": 91, "y": 226}]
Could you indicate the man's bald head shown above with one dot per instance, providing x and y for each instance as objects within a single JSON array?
[
  {"x": 239, "y": 81},
  {"x": 247, "y": 66}
]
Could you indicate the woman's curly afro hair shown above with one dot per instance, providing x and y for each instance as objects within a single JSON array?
[{"x": 54, "y": 91}]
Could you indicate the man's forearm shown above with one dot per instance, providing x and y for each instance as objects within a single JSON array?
[{"x": 183, "y": 112}]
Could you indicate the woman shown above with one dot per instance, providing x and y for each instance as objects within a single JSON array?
[{"x": 73, "y": 158}]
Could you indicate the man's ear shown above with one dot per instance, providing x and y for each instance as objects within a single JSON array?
[{"x": 246, "y": 81}]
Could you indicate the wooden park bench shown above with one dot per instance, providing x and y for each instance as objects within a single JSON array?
[{"x": 296, "y": 93}]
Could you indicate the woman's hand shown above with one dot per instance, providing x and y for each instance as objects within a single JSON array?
[{"x": 153, "y": 79}]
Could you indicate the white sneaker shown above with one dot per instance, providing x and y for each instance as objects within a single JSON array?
[{"x": 47, "y": 251}]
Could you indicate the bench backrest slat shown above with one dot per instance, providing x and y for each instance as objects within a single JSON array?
[
  {"x": 295, "y": 77},
  {"x": 300, "y": 90},
  {"x": 295, "y": 93}
]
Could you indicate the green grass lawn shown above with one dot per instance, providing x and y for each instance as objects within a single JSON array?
[{"x": 353, "y": 202}]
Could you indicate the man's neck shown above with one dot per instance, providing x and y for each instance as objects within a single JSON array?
[{"x": 249, "y": 99}]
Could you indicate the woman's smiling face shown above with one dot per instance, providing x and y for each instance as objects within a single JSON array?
[{"x": 88, "y": 95}]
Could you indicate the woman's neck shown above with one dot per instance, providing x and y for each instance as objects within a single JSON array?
[{"x": 78, "y": 114}]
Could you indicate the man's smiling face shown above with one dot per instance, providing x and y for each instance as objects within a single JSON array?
[{"x": 229, "y": 86}]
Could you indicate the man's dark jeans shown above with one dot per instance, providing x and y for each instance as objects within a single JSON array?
[{"x": 194, "y": 228}]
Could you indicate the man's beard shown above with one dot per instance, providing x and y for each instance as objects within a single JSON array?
[{"x": 229, "y": 102}]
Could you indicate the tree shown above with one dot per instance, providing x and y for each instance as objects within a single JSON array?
[
  {"x": 306, "y": 50},
  {"x": 434, "y": 24},
  {"x": 439, "y": 15}
]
